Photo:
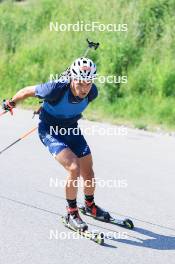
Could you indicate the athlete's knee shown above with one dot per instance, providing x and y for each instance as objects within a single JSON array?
[{"x": 74, "y": 168}]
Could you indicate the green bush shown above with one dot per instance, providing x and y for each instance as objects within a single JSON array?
[{"x": 30, "y": 52}]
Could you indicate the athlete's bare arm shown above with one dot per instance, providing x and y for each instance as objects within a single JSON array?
[{"x": 24, "y": 93}]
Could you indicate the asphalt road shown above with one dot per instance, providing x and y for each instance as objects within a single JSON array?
[{"x": 141, "y": 167}]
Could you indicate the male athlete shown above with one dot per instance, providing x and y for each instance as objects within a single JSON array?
[{"x": 64, "y": 102}]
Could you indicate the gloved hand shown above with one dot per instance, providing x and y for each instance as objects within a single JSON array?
[{"x": 8, "y": 105}]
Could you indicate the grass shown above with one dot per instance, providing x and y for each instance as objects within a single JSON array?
[{"x": 30, "y": 53}]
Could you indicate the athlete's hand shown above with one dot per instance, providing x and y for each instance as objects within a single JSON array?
[{"x": 8, "y": 105}]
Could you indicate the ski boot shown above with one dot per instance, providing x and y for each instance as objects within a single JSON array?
[
  {"x": 74, "y": 220},
  {"x": 95, "y": 211}
]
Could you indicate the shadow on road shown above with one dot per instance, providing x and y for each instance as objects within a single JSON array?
[{"x": 156, "y": 241}]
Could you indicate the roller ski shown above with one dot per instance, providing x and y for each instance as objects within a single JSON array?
[
  {"x": 74, "y": 222},
  {"x": 91, "y": 209}
]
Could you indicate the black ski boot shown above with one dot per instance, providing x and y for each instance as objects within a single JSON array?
[
  {"x": 74, "y": 220},
  {"x": 95, "y": 211}
]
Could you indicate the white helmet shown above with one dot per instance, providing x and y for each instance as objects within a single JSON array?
[{"x": 83, "y": 69}]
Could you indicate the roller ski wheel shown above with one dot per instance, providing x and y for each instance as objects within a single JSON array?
[{"x": 128, "y": 223}]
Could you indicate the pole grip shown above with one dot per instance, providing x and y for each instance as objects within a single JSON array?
[{"x": 92, "y": 44}]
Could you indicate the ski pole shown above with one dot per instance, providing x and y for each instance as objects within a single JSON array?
[
  {"x": 91, "y": 45},
  {"x": 19, "y": 139}
]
